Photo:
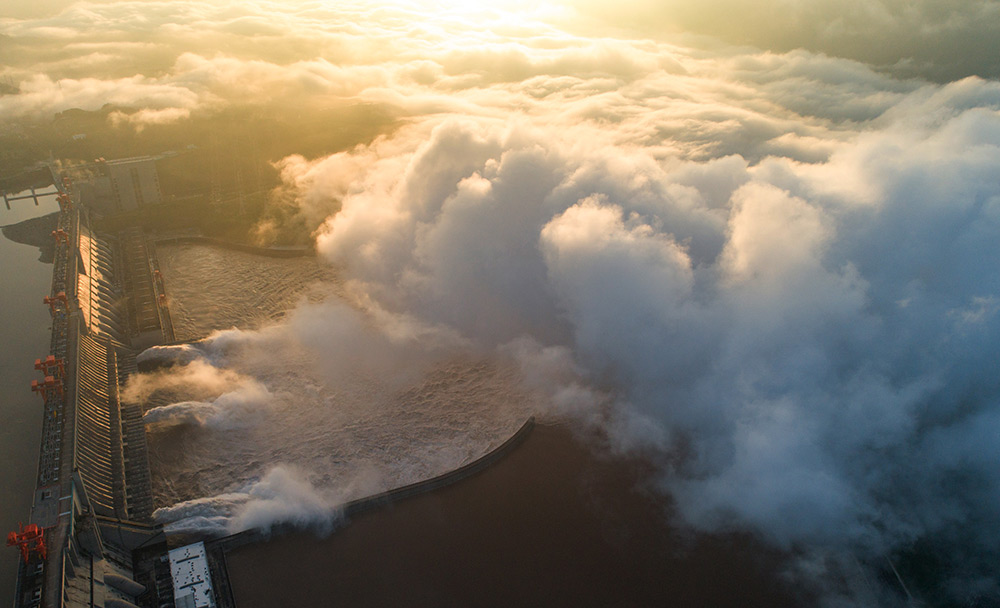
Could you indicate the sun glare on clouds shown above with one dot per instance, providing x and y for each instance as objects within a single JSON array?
[
  {"x": 484, "y": 13},
  {"x": 727, "y": 234}
]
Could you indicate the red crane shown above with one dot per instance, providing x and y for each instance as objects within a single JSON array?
[
  {"x": 49, "y": 364},
  {"x": 38, "y": 387},
  {"x": 30, "y": 538},
  {"x": 47, "y": 387},
  {"x": 51, "y": 383},
  {"x": 54, "y": 300},
  {"x": 60, "y": 235},
  {"x": 65, "y": 202}
]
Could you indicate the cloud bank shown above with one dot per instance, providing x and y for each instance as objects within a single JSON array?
[
  {"x": 815, "y": 337},
  {"x": 937, "y": 39},
  {"x": 779, "y": 264}
]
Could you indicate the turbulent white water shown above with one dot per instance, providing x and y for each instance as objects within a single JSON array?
[{"x": 250, "y": 429}]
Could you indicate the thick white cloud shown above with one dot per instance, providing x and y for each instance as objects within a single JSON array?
[
  {"x": 781, "y": 265},
  {"x": 813, "y": 334},
  {"x": 173, "y": 58},
  {"x": 42, "y": 96}
]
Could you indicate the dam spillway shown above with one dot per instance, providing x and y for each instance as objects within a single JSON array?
[{"x": 92, "y": 501}]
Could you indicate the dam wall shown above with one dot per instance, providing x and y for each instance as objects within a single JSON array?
[
  {"x": 148, "y": 316},
  {"x": 110, "y": 449},
  {"x": 92, "y": 502}
]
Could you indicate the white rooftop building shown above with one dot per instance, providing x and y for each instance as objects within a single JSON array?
[{"x": 192, "y": 581}]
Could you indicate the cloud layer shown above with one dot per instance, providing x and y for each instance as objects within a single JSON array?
[
  {"x": 937, "y": 39},
  {"x": 780, "y": 266},
  {"x": 816, "y": 337}
]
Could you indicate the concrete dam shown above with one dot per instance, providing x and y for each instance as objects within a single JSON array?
[
  {"x": 92, "y": 505},
  {"x": 91, "y": 540}
]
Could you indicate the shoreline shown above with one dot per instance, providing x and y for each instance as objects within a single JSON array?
[{"x": 35, "y": 232}]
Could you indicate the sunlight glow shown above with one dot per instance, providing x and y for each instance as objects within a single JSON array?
[{"x": 480, "y": 11}]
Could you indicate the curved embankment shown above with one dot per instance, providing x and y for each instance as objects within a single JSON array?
[
  {"x": 362, "y": 505},
  {"x": 290, "y": 252},
  {"x": 356, "y": 507}
]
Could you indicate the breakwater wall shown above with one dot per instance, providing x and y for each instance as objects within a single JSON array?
[
  {"x": 218, "y": 548},
  {"x": 357, "y": 507},
  {"x": 382, "y": 499}
]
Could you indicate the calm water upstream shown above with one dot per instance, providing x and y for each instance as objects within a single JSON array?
[{"x": 24, "y": 336}]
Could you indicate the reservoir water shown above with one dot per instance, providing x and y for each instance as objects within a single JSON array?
[
  {"x": 24, "y": 336},
  {"x": 551, "y": 524},
  {"x": 214, "y": 288}
]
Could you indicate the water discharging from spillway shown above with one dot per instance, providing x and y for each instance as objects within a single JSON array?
[{"x": 257, "y": 429}]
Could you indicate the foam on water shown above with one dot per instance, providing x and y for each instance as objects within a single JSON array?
[{"x": 250, "y": 428}]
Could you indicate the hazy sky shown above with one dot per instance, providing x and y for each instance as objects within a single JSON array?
[
  {"x": 769, "y": 231},
  {"x": 939, "y": 39}
]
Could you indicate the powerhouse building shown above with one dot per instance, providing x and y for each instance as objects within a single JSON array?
[{"x": 121, "y": 185}]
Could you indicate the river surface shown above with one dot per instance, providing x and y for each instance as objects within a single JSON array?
[
  {"x": 214, "y": 288},
  {"x": 24, "y": 336},
  {"x": 279, "y": 423},
  {"x": 550, "y": 524}
]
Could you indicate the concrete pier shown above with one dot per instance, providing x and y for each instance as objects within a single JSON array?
[{"x": 7, "y": 199}]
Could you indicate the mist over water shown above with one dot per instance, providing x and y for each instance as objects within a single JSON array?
[
  {"x": 285, "y": 423},
  {"x": 812, "y": 339},
  {"x": 779, "y": 269}
]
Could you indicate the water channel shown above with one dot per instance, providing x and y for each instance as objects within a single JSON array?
[{"x": 24, "y": 336}]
